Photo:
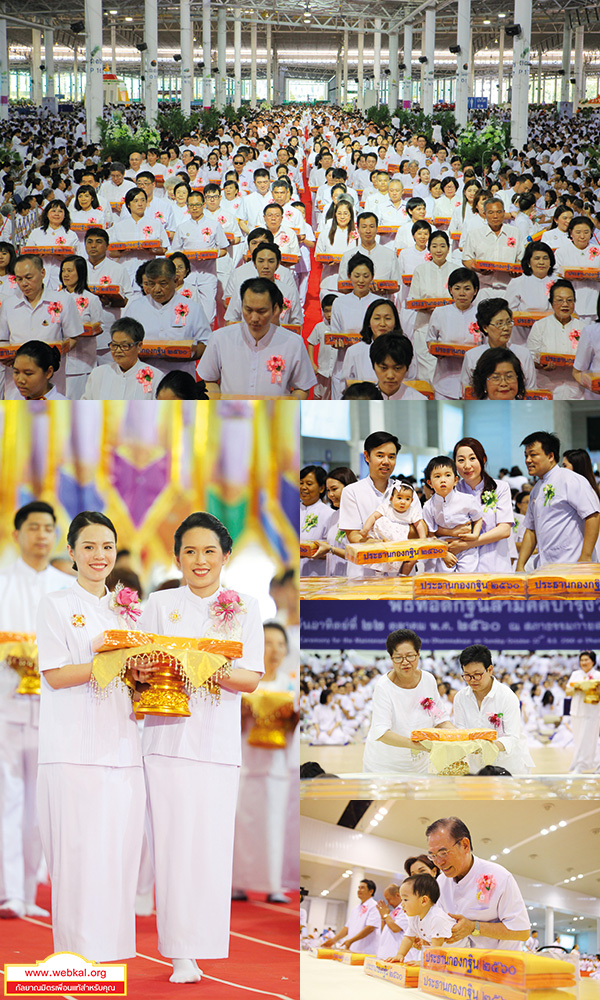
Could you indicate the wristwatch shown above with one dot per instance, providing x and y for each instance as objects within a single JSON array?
[{"x": 476, "y": 932}]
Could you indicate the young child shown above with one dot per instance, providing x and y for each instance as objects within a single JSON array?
[
  {"x": 453, "y": 514},
  {"x": 325, "y": 367},
  {"x": 426, "y": 919},
  {"x": 397, "y": 518}
]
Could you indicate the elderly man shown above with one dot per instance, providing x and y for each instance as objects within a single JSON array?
[
  {"x": 361, "y": 932},
  {"x": 165, "y": 314},
  {"x": 563, "y": 517},
  {"x": 393, "y": 921},
  {"x": 483, "y": 897},
  {"x": 486, "y": 704},
  {"x": 494, "y": 242}
]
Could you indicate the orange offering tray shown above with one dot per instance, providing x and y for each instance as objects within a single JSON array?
[
  {"x": 385, "y": 285},
  {"x": 443, "y": 350},
  {"x": 328, "y": 258},
  {"x": 591, "y": 381},
  {"x": 504, "y": 267},
  {"x": 131, "y": 245},
  {"x": 582, "y": 274},
  {"x": 332, "y": 339},
  {"x": 404, "y": 974},
  {"x": 200, "y": 254},
  {"x": 387, "y": 230},
  {"x": 92, "y": 329},
  {"x": 529, "y": 317},
  {"x": 8, "y": 351},
  {"x": 558, "y": 360},
  {"x": 428, "y": 303},
  {"x": 165, "y": 349},
  {"x": 442, "y": 221},
  {"x": 342, "y": 955},
  {"x": 308, "y": 549},
  {"x": 373, "y": 552},
  {"x": 110, "y": 294},
  {"x": 452, "y": 735},
  {"x": 290, "y": 258},
  {"x": 52, "y": 251},
  {"x": 124, "y": 639}
]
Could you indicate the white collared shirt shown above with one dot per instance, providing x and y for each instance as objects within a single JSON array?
[
  {"x": 239, "y": 362},
  {"x": 501, "y": 705},
  {"x": 502, "y": 903},
  {"x": 110, "y": 382}
]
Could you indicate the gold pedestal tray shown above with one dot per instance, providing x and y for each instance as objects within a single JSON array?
[
  {"x": 166, "y": 694},
  {"x": 19, "y": 650},
  {"x": 272, "y": 712}
]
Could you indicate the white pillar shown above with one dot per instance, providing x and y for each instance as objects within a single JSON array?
[
  {"x": 377, "y": 56},
  {"x": 75, "y": 74},
  {"x": 360, "y": 67},
  {"x": 253, "y": 46},
  {"x": 539, "y": 77},
  {"x": 4, "y": 71},
  {"x": 345, "y": 68},
  {"x": 500, "y": 65},
  {"x": 471, "y": 64},
  {"x": 237, "y": 56},
  {"x": 429, "y": 51},
  {"x": 393, "y": 68},
  {"x": 565, "y": 89},
  {"x": 49, "y": 61},
  {"x": 222, "y": 57},
  {"x": 206, "y": 49},
  {"x": 36, "y": 73},
  {"x": 185, "y": 41},
  {"x": 355, "y": 879},
  {"x": 579, "y": 66},
  {"x": 463, "y": 30},
  {"x": 407, "y": 59},
  {"x": 549, "y": 912},
  {"x": 113, "y": 48},
  {"x": 151, "y": 72},
  {"x": 269, "y": 70},
  {"x": 94, "y": 68},
  {"x": 520, "y": 95},
  {"x": 338, "y": 77}
]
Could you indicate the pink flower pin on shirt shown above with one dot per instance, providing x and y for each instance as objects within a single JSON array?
[
  {"x": 485, "y": 886},
  {"x": 104, "y": 280},
  {"x": 222, "y": 219},
  {"x": 55, "y": 309},
  {"x": 549, "y": 286},
  {"x": 181, "y": 311},
  {"x": 574, "y": 337},
  {"x": 224, "y": 610},
  {"x": 593, "y": 253},
  {"x": 428, "y": 256},
  {"x": 186, "y": 293},
  {"x": 287, "y": 304},
  {"x": 60, "y": 241},
  {"x": 82, "y": 303},
  {"x": 511, "y": 241},
  {"x": 284, "y": 239},
  {"x": 159, "y": 215},
  {"x": 276, "y": 365},
  {"x": 147, "y": 230},
  {"x": 125, "y": 602},
  {"x": 144, "y": 377},
  {"x": 496, "y": 720},
  {"x": 474, "y": 331}
]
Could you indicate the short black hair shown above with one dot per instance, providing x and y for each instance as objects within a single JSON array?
[
  {"x": 532, "y": 248},
  {"x": 262, "y": 286},
  {"x": 476, "y": 653},
  {"x": 377, "y": 438},
  {"x": 272, "y": 247},
  {"x": 455, "y": 827},
  {"x": 463, "y": 274},
  {"x": 357, "y": 260},
  {"x": 129, "y": 326},
  {"x": 202, "y": 519},
  {"x": 362, "y": 390},
  {"x": 423, "y": 885},
  {"x": 488, "y": 308},
  {"x": 398, "y": 348},
  {"x": 560, "y": 283},
  {"x": 486, "y": 366},
  {"x": 369, "y": 884},
  {"x": 403, "y": 635},
  {"x": 549, "y": 442},
  {"x": 439, "y": 462},
  {"x": 97, "y": 231},
  {"x": 35, "y": 507}
]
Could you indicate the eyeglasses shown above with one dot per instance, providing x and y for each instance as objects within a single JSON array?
[
  {"x": 120, "y": 347},
  {"x": 405, "y": 659},
  {"x": 441, "y": 854},
  {"x": 497, "y": 379},
  {"x": 504, "y": 324},
  {"x": 474, "y": 677}
]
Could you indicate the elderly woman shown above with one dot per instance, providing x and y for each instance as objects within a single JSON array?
[
  {"x": 404, "y": 699},
  {"x": 495, "y": 321},
  {"x": 559, "y": 333},
  {"x": 499, "y": 375}
]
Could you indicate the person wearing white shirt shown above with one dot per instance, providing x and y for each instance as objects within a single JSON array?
[
  {"x": 487, "y": 704},
  {"x": 494, "y": 321},
  {"x": 116, "y": 188},
  {"x": 103, "y": 271},
  {"x": 384, "y": 259},
  {"x": 199, "y": 233},
  {"x": 428, "y": 922},
  {"x": 284, "y": 237},
  {"x": 494, "y": 916},
  {"x": 192, "y": 764},
  {"x": 494, "y": 242},
  {"x": 158, "y": 208},
  {"x": 134, "y": 227},
  {"x": 90, "y": 777},
  {"x": 349, "y": 310},
  {"x": 22, "y": 587},
  {"x": 391, "y": 356},
  {"x": 53, "y": 231},
  {"x": 393, "y": 921},
  {"x": 166, "y": 314},
  {"x": 584, "y": 688},
  {"x": 126, "y": 377},
  {"x": 557, "y": 334},
  {"x": 257, "y": 357},
  {"x": 266, "y": 258},
  {"x": 361, "y": 931}
]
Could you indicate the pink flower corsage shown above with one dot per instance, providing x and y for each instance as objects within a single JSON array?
[
  {"x": 287, "y": 214},
  {"x": 125, "y": 602},
  {"x": 287, "y": 304},
  {"x": 284, "y": 239},
  {"x": 186, "y": 293},
  {"x": 93, "y": 221},
  {"x": 12, "y": 280},
  {"x": 55, "y": 309},
  {"x": 496, "y": 720},
  {"x": 428, "y": 705},
  {"x": 574, "y": 337},
  {"x": 549, "y": 286},
  {"x": 206, "y": 231},
  {"x": 224, "y": 610},
  {"x": 593, "y": 252},
  {"x": 60, "y": 241},
  {"x": 475, "y": 331},
  {"x": 511, "y": 241},
  {"x": 276, "y": 365},
  {"x": 222, "y": 219},
  {"x": 428, "y": 256},
  {"x": 82, "y": 303},
  {"x": 485, "y": 885},
  {"x": 147, "y": 230},
  {"x": 105, "y": 280},
  {"x": 144, "y": 377},
  {"x": 159, "y": 215},
  {"x": 181, "y": 311}
]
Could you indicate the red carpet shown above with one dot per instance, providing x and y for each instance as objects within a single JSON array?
[{"x": 263, "y": 958}]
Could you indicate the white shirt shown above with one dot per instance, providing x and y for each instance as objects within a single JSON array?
[
  {"x": 240, "y": 363},
  {"x": 549, "y": 336},
  {"x": 579, "y": 709},
  {"x": 213, "y": 731},
  {"x": 505, "y": 246},
  {"x": 77, "y": 726},
  {"x": 348, "y": 312},
  {"x": 401, "y": 710},
  {"x": 164, "y": 322},
  {"x": 109, "y": 382},
  {"x": 435, "y": 924},
  {"x": 364, "y": 915},
  {"x": 503, "y": 903},
  {"x": 472, "y": 357},
  {"x": 587, "y": 358},
  {"x": 501, "y": 704},
  {"x": 558, "y": 521}
]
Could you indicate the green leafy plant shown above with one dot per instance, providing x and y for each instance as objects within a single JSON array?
[
  {"x": 379, "y": 116},
  {"x": 418, "y": 121},
  {"x": 173, "y": 121},
  {"x": 476, "y": 144}
]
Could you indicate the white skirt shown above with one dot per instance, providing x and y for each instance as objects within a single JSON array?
[
  {"x": 191, "y": 819},
  {"x": 91, "y": 821}
]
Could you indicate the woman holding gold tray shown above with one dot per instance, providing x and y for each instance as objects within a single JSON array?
[
  {"x": 90, "y": 777},
  {"x": 584, "y": 688},
  {"x": 192, "y": 763}
]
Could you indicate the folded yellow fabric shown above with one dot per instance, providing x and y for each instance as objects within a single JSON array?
[{"x": 452, "y": 735}]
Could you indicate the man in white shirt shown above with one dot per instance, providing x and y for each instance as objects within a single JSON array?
[
  {"x": 101, "y": 270},
  {"x": 266, "y": 259},
  {"x": 532, "y": 943},
  {"x": 200, "y": 233},
  {"x": 486, "y": 704},
  {"x": 393, "y": 921},
  {"x": 257, "y": 357},
  {"x": 494, "y": 242},
  {"x": 385, "y": 261},
  {"x": 21, "y": 589},
  {"x": 361, "y": 932},
  {"x": 126, "y": 377},
  {"x": 482, "y": 896},
  {"x": 117, "y": 187}
]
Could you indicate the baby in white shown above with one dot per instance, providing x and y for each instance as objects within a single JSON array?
[
  {"x": 397, "y": 518},
  {"x": 426, "y": 919}
]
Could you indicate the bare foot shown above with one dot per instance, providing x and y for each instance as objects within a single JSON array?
[{"x": 185, "y": 970}]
